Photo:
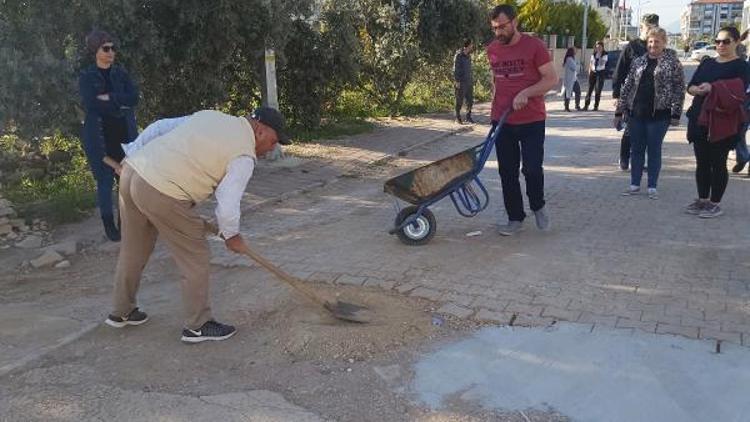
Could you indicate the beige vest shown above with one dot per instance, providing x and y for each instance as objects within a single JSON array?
[{"x": 188, "y": 162}]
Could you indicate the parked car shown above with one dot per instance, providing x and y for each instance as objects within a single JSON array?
[
  {"x": 612, "y": 58},
  {"x": 700, "y": 44},
  {"x": 704, "y": 53}
]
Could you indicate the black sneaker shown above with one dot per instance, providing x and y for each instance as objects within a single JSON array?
[
  {"x": 110, "y": 229},
  {"x": 738, "y": 167},
  {"x": 135, "y": 317},
  {"x": 211, "y": 330}
]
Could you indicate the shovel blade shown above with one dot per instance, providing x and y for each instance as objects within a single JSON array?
[{"x": 349, "y": 312}]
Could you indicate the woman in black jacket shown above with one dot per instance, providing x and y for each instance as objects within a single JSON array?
[
  {"x": 109, "y": 99},
  {"x": 711, "y": 174}
]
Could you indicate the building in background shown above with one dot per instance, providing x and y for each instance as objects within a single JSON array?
[
  {"x": 746, "y": 15},
  {"x": 620, "y": 22},
  {"x": 703, "y": 18}
]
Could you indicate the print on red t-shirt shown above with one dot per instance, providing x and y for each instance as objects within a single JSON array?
[{"x": 514, "y": 68}]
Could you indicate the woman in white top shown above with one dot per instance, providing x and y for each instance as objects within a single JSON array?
[
  {"x": 570, "y": 79},
  {"x": 597, "y": 66}
]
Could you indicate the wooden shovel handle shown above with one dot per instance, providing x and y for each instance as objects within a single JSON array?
[{"x": 278, "y": 272}]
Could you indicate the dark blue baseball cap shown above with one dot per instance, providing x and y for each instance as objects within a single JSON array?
[{"x": 273, "y": 119}]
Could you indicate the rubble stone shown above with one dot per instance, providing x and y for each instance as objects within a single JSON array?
[
  {"x": 48, "y": 258},
  {"x": 65, "y": 248},
  {"x": 31, "y": 242},
  {"x": 63, "y": 264}
]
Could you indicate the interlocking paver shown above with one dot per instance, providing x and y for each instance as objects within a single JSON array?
[
  {"x": 493, "y": 316},
  {"x": 721, "y": 335},
  {"x": 523, "y": 309},
  {"x": 455, "y": 310},
  {"x": 426, "y": 293},
  {"x": 351, "y": 280},
  {"x": 691, "y": 332},
  {"x": 646, "y": 326},
  {"x": 610, "y": 260},
  {"x": 561, "y": 314}
]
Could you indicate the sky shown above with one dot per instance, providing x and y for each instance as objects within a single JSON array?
[{"x": 668, "y": 11}]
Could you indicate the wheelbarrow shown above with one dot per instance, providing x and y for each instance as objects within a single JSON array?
[{"x": 456, "y": 176}]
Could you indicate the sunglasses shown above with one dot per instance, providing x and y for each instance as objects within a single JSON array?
[
  {"x": 725, "y": 41},
  {"x": 108, "y": 48}
]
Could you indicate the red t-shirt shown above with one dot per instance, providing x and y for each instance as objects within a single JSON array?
[{"x": 516, "y": 67}]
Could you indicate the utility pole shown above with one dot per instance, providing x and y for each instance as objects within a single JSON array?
[{"x": 584, "y": 41}]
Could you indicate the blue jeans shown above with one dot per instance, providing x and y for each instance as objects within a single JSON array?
[
  {"x": 517, "y": 145},
  {"x": 646, "y": 133},
  {"x": 743, "y": 155}
]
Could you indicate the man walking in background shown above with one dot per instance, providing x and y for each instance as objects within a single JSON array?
[
  {"x": 523, "y": 73},
  {"x": 633, "y": 50},
  {"x": 464, "y": 81}
]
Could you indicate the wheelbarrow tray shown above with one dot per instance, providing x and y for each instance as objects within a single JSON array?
[{"x": 432, "y": 180}]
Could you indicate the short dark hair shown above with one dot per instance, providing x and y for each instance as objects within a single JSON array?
[
  {"x": 96, "y": 38},
  {"x": 503, "y": 9},
  {"x": 650, "y": 19},
  {"x": 733, "y": 32},
  {"x": 468, "y": 42}
]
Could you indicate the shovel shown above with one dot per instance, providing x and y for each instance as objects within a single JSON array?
[{"x": 344, "y": 311}]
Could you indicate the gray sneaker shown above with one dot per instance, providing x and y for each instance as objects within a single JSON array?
[
  {"x": 511, "y": 228},
  {"x": 711, "y": 211},
  {"x": 696, "y": 207},
  {"x": 542, "y": 219},
  {"x": 631, "y": 190}
]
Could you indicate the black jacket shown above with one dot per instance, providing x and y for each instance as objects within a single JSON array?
[
  {"x": 462, "y": 68},
  {"x": 632, "y": 51}
]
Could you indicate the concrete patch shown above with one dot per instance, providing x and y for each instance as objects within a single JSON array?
[
  {"x": 28, "y": 334},
  {"x": 591, "y": 376}
]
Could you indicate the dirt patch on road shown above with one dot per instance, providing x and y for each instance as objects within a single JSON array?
[{"x": 307, "y": 332}]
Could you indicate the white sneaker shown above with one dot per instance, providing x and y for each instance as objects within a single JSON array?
[{"x": 653, "y": 194}]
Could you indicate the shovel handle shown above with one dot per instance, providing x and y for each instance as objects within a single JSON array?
[{"x": 268, "y": 265}]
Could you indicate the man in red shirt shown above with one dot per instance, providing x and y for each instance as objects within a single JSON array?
[{"x": 523, "y": 73}]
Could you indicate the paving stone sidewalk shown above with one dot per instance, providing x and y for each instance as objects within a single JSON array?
[
  {"x": 609, "y": 262},
  {"x": 325, "y": 162}
]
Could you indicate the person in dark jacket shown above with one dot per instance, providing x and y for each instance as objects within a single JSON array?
[
  {"x": 109, "y": 98},
  {"x": 633, "y": 50},
  {"x": 597, "y": 74},
  {"x": 464, "y": 81},
  {"x": 711, "y": 174}
]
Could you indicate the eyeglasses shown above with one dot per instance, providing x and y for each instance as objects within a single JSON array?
[
  {"x": 501, "y": 26},
  {"x": 108, "y": 48},
  {"x": 725, "y": 41}
]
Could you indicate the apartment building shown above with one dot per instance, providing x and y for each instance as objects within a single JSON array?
[{"x": 703, "y": 18}]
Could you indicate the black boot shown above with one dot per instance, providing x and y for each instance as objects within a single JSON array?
[
  {"x": 586, "y": 106},
  {"x": 567, "y": 104},
  {"x": 468, "y": 118},
  {"x": 458, "y": 119},
  {"x": 112, "y": 231},
  {"x": 738, "y": 167},
  {"x": 596, "y": 105}
]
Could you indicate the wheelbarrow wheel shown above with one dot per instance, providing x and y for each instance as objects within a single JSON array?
[{"x": 420, "y": 231}]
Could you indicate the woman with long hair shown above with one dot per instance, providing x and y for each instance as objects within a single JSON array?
[
  {"x": 570, "y": 79},
  {"x": 713, "y": 137},
  {"x": 597, "y": 73}
]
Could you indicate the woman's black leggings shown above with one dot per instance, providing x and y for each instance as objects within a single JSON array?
[{"x": 711, "y": 174}]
